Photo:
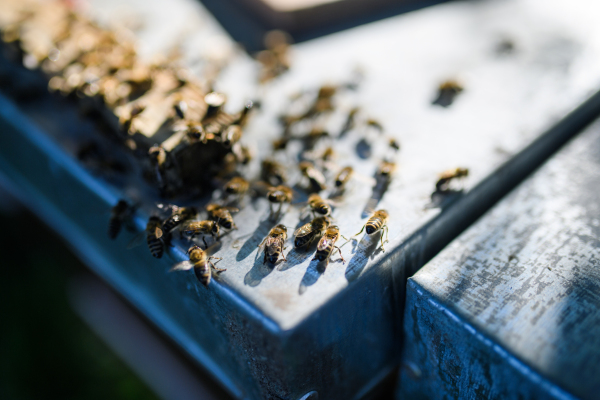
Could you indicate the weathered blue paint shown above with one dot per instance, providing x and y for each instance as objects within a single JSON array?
[{"x": 511, "y": 309}]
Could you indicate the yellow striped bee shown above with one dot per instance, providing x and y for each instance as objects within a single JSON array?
[
  {"x": 231, "y": 135},
  {"x": 274, "y": 244},
  {"x": 386, "y": 169},
  {"x": 153, "y": 235},
  {"x": 447, "y": 176},
  {"x": 314, "y": 176},
  {"x": 273, "y": 172},
  {"x": 237, "y": 186},
  {"x": 222, "y": 215},
  {"x": 279, "y": 195},
  {"x": 377, "y": 222},
  {"x": 200, "y": 261},
  {"x": 178, "y": 216},
  {"x": 306, "y": 234},
  {"x": 327, "y": 244},
  {"x": 343, "y": 177},
  {"x": 204, "y": 228},
  {"x": 118, "y": 214},
  {"x": 318, "y": 205}
]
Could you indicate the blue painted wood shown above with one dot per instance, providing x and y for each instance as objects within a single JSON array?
[{"x": 511, "y": 309}]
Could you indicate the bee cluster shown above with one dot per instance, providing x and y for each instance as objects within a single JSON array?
[
  {"x": 172, "y": 122},
  {"x": 176, "y": 126}
]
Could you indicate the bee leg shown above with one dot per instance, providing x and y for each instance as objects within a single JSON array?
[
  {"x": 342, "y": 257},
  {"x": 382, "y": 242},
  {"x": 204, "y": 241},
  {"x": 361, "y": 231},
  {"x": 265, "y": 259},
  {"x": 215, "y": 268}
]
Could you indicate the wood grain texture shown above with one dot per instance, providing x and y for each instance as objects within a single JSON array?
[{"x": 511, "y": 308}]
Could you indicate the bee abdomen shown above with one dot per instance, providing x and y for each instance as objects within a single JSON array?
[
  {"x": 156, "y": 246},
  {"x": 321, "y": 255},
  {"x": 203, "y": 274},
  {"x": 272, "y": 258},
  {"x": 373, "y": 227}
]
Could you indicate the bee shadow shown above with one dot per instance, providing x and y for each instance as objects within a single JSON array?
[
  {"x": 379, "y": 190},
  {"x": 258, "y": 272},
  {"x": 253, "y": 241},
  {"x": 444, "y": 198},
  {"x": 297, "y": 256},
  {"x": 311, "y": 276},
  {"x": 363, "y": 251}
]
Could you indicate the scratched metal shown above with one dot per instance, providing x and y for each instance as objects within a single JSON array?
[
  {"x": 285, "y": 331},
  {"x": 511, "y": 308}
]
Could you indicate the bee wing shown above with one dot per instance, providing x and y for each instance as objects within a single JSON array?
[
  {"x": 303, "y": 230},
  {"x": 158, "y": 232},
  {"x": 137, "y": 240},
  {"x": 231, "y": 209},
  {"x": 182, "y": 266},
  {"x": 325, "y": 242},
  {"x": 272, "y": 245}
]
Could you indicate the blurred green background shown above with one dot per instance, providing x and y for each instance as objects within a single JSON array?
[{"x": 46, "y": 351}]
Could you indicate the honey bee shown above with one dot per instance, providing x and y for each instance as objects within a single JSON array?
[
  {"x": 447, "y": 92},
  {"x": 375, "y": 124},
  {"x": 222, "y": 215},
  {"x": 118, "y": 214},
  {"x": 313, "y": 137},
  {"x": 154, "y": 235},
  {"x": 204, "y": 228},
  {"x": 200, "y": 261},
  {"x": 343, "y": 177},
  {"x": 306, "y": 234},
  {"x": 237, "y": 186},
  {"x": 231, "y": 135},
  {"x": 386, "y": 169},
  {"x": 178, "y": 216},
  {"x": 318, "y": 205},
  {"x": 315, "y": 177},
  {"x": 393, "y": 143},
  {"x": 274, "y": 244},
  {"x": 327, "y": 244},
  {"x": 447, "y": 176},
  {"x": 350, "y": 122},
  {"x": 377, "y": 222},
  {"x": 279, "y": 195},
  {"x": 273, "y": 172},
  {"x": 214, "y": 102},
  {"x": 158, "y": 158}
]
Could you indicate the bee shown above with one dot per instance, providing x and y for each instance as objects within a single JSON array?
[
  {"x": 377, "y": 222},
  {"x": 194, "y": 228},
  {"x": 158, "y": 158},
  {"x": 447, "y": 92},
  {"x": 306, "y": 234},
  {"x": 328, "y": 154},
  {"x": 274, "y": 244},
  {"x": 393, "y": 143},
  {"x": 350, "y": 122},
  {"x": 343, "y": 177},
  {"x": 279, "y": 195},
  {"x": 313, "y": 137},
  {"x": 214, "y": 102},
  {"x": 222, "y": 215},
  {"x": 315, "y": 177},
  {"x": 154, "y": 235},
  {"x": 118, "y": 214},
  {"x": 327, "y": 244},
  {"x": 318, "y": 205},
  {"x": 200, "y": 261},
  {"x": 178, "y": 216},
  {"x": 386, "y": 169},
  {"x": 447, "y": 176},
  {"x": 243, "y": 154},
  {"x": 231, "y": 135},
  {"x": 273, "y": 172},
  {"x": 237, "y": 186},
  {"x": 375, "y": 124}
]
